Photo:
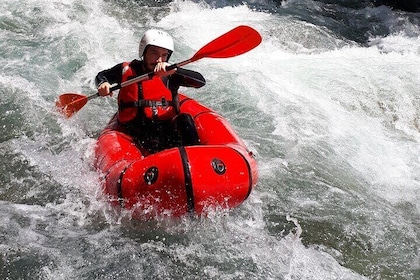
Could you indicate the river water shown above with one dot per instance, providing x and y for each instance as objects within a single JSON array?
[{"x": 329, "y": 102}]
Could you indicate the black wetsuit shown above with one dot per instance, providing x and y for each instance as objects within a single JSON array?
[{"x": 150, "y": 134}]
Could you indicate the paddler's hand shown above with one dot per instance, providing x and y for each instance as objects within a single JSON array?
[
  {"x": 160, "y": 69},
  {"x": 103, "y": 89}
]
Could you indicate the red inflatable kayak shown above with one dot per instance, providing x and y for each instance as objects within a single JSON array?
[{"x": 220, "y": 172}]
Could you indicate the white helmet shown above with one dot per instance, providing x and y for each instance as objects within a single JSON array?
[{"x": 156, "y": 38}]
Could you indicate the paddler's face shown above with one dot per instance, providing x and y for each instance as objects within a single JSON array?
[{"x": 153, "y": 56}]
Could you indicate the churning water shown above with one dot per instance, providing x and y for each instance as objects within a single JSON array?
[{"x": 329, "y": 102}]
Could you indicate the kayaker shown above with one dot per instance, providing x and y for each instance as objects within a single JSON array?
[{"x": 149, "y": 110}]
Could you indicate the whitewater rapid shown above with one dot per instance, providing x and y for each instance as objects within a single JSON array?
[{"x": 334, "y": 124}]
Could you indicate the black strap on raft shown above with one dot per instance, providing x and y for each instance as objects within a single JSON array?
[
  {"x": 188, "y": 179},
  {"x": 119, "y": 186}
]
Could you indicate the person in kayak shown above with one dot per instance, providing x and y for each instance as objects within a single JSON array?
[{"x": 149, "y": 110}]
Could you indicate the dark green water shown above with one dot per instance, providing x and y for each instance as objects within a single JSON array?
[{"x": 329, "y": 103}]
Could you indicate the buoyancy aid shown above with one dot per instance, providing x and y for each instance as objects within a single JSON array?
[{"x": 150, "y": 98}]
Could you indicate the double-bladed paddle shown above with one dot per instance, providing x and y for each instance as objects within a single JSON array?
[{"x": 237, "y": 41}]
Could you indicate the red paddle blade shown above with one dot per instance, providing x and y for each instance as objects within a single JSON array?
[
  {"x": 239, "y": 40},
  {"x": 70, "y": 103}
]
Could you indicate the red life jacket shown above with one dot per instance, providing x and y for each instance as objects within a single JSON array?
[{"x": 152, "y": 99}]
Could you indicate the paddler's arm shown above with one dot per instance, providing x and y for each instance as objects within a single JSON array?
[
  {"x": 188, "y": 78},
  {"x": 106, "y": 78}
]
